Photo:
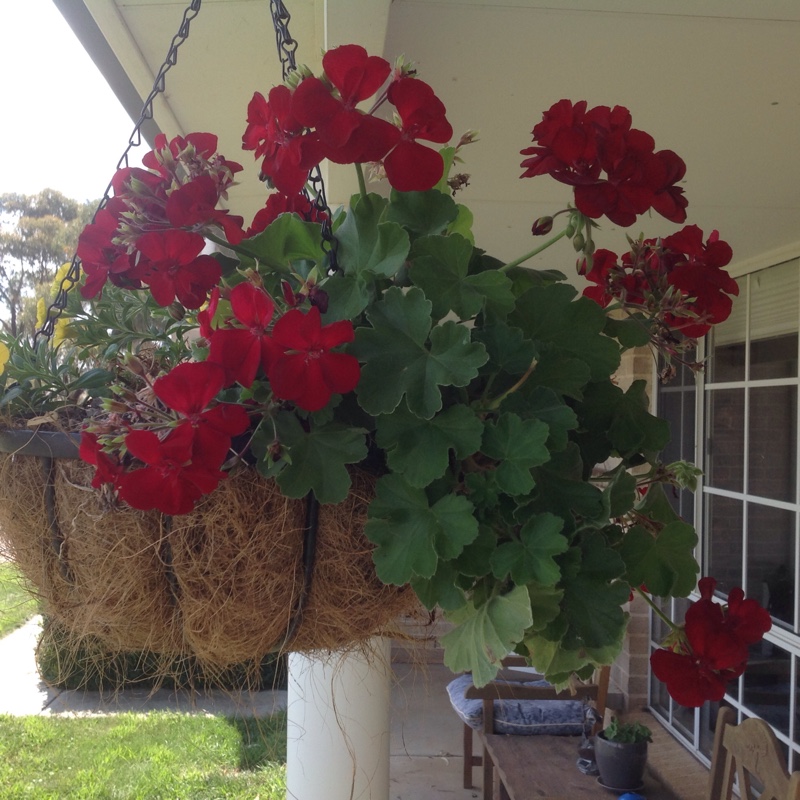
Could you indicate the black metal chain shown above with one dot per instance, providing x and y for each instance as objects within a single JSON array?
[
  {"x": 72, "y": 276},
  {"x": 287, "y": 48}
]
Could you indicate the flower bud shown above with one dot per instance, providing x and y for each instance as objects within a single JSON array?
[
  {"x": 542, "y": 226},
  {"x": 135, "y": 366},
  {"x": 578, "y": 242}
]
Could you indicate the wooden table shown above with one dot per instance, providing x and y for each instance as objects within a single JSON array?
[{"x": 543, "y": 768}]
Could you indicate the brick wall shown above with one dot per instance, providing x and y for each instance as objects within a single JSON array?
[{"x": 630, "y": 670}]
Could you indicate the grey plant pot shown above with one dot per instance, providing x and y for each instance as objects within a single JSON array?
[{"x": 621, "y": 764}]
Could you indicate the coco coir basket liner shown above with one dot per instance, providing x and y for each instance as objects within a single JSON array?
[{"x": 221, "y": 584}]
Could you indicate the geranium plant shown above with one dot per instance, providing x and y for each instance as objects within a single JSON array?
[{"x": 517, "y": 486}]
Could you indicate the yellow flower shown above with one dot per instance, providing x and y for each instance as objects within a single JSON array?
[
  {"x": 41, "y": 310},
  {"x": 61, "y": 331},
  {"x": 61, "y": 273},
  {"x": 5, "y": 354}
]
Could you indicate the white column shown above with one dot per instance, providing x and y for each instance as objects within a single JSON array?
[{"x": 338, "y": 725}]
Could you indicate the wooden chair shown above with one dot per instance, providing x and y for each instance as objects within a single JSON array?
[
  {"x": 507, "y": 686},
  {"x": 745, "y": 750}
]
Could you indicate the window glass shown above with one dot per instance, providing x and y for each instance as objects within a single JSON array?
[
  {"x": 724, "y": 540},
  {"x": 770, "y": 560},
  {"x": 768, "y": 685},
  {"x": 725, "y": 439},
  {"x": 772, "y": 456},
  {"x": 774, "y": 305}
]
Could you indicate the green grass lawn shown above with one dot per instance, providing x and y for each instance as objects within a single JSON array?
[
  {"x": 154, "y": 756},
  {"x": 16, "y": 603}
]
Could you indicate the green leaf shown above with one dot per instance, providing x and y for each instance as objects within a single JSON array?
[
  {"x": 318, "y": 457},
  {"x": 557, "y": 663},
  {"x": 440, "y": 589},
  {"x": 347, "y": 297},
  {"x": 398, "y": 362},
  {"x": 440, "y": 266},
  {"x": 485, "y": 634},
  {"x": 287, "y": 239},
  {"x": 574, "y": 327},
  {"x": 656, "y": 505},
  {"x": 560, "y": 488},
  {"x": 593, "y": 597},
  {"x": 621, "y": 493},
  {"x": 367, "y": 243},
  {"x": 545, "y": 604},
  {"x": 518, "y": 445},
  {"x": 420, "y": 448},
  {"x": 629, "y": 332},
  {"x": 474, "y": 558},
  {"x": 462, "y": 225},
  {"x": 663, "y": 562},
  {"x": 509, "y": 350},
  {"x": 546, "y": 405},
  {"x": 422, "y": 213},
  {"x": 530, "y": 558},
  {"x": 412, "y": 535},
  {"x": 619, "y": 422},
  {"x": 562, "y": 374}
]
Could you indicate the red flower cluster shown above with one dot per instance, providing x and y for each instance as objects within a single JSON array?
[
  {"x": 680, "y": 278},
  {"x": 296, "y": 356},
  {"x": 292, "y": 131},
  {"x": 713, "y": 647},
  {"x": 183, "y": 461},
  {"x": 151, "y": 231},
  {"x": 578, "y": 146}
]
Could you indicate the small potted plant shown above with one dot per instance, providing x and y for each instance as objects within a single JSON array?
[{"x": 621, "y": 753}]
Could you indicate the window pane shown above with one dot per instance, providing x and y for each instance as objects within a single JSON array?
[
  {"x": 724, "y": 526},
  {"x": 768, "y": 684},
  {"x": 725, "y": 439},
  {"x": 774, "y": 358},
  {"x": 726, "y": 349},
  {"x": 770, "y": 560},
  {"x": 773, "y": 321},
  {"x": 773, "y": 442}
]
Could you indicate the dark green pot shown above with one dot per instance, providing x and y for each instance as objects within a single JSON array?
[
  {"x": 46, "y": 444},
  {"x": 621, "y": 764}
]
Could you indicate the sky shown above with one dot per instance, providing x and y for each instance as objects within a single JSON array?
[{"x": 61, "y": 127}]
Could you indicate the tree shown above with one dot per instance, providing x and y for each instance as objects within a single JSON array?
[{"x": 38, "y": 233}]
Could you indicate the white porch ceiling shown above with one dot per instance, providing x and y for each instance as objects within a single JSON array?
[{"x": 715, "y": 80}]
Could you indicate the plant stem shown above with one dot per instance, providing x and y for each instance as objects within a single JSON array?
[
  {"x": 362, "y": 184},
  {"x": 535, "y": 252},
  {"x": 656, "y": 610},
  {"x": 528, "y": 372}
]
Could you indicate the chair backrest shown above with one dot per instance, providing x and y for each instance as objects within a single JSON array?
[
  {"x": 748, "y": 750},
  {"x": 507, "y": 687}
]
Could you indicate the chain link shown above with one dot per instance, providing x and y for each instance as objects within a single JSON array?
[
  {"x": 71, "y": 278},
  {"x": 287, "y": 48}
]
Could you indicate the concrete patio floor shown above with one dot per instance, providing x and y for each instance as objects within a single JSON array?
[{"x": 425, "y": 744}]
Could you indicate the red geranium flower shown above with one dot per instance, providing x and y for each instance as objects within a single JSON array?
[
  {"x": 349, "y": 136},
  {"x": 697, "y": 271},
  {"x": 275, "y": 133},
  {"x": 306, "y": 371},
  {"x": 194, "y": 205},
  {"x": 175, "y": 268},
  {"x": 100, "y": 257},
  {"x": 279, "y": 203},
  {"x": 576, "y": 146},
  {"x": 188, "y": 389},
  {"x": 713, "y": 649},
  {"x": 410, "y": 166},
  {"x": 242, "y": 350},
  {"x": 175, "y": 477},
  {"x": 107, "y": 467}
]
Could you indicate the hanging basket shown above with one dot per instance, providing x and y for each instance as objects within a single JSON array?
[{"x": 226, "y": 583}]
